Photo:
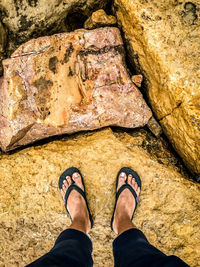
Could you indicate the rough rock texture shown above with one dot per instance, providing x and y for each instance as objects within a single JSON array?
[
  {"x": 99, "y": 19},
  {"x": 137, "y": 80},
  {"x": 3, "y": 39},
  {"x": 154, "y": 127},
  {"x": 163, "y": 42},
  {"x": 67, "y": 83},
  {"x": 33, "y": 214},
  {"x": 33, "y": 18}
]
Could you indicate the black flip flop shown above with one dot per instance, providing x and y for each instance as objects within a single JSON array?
[
  {"x": 73, "y": 186},
  {"x": 126, "y": 185}
]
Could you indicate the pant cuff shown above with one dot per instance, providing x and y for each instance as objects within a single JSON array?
[
  {"x": 131, "y": 234},
  {"x": 74, "y": 234}
]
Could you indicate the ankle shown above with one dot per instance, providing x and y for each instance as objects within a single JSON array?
[
  {"x": 79, "y": 227},
  {"x": 123, "y": 223},
  {"x": 81, "y": 223}
]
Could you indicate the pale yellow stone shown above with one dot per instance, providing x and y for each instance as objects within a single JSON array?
[
  {"x": 33, "y": 214},
  {"x": 163, "y": 40}
]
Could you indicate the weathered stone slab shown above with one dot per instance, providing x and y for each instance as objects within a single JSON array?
[
  {"x": 163, "y": 41},
  {"x": 66, "y": 83},
  {"x": 33, "y": 213}
]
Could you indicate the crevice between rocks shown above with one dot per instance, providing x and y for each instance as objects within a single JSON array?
[{"x": 177, "y": 106}]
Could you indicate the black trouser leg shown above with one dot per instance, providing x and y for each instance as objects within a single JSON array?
[
  {"x": 72, "y": 248},
  {"x": 131, "y": 248}
]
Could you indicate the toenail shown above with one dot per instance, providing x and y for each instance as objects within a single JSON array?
[
  {"x": 122, "y": 174},
  {"x": 76, "y": 174}
]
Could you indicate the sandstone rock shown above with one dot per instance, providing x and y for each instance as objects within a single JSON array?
[
  {"x": 98, "y": 19},
  {"x": 163, "y": 41},
  {"x": 67, "y": 83},
  {"x": 157, "y": 148},
  {"x": 33, "y": 214},
  {"x": 34, "y": 18}
]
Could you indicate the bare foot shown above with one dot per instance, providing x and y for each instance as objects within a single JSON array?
[
  {"x": 125, "y": 204},
  {"x": 76, "y": 204}
]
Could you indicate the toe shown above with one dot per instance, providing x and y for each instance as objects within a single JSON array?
[
  {"x": 68, "y": 180},
  {"x": 138, "y": 191},
  {"x": 62, "y": 192},
  {"x": 65, "y": 184},
  {"x": 130, "y": 178},
  {"x": 121, "y": 180},
  {"x": 134, "y": 184},
  {"x": 77, "y": 179}
]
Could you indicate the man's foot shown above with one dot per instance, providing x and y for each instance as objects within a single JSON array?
[
  {"x": 76, "y": 204},
  {"x": 125, "y": 203}
]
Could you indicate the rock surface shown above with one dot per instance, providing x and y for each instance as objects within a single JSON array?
[
  {"x": 3, "y": 39},
  {"x": 99, "y": 18},
  {"x": 33, "y": 214},
  {"x": 154, "y": 127},
  {"x": 137, "y": 80},
  {"x": 67, "y": 83},
  {"x": 33, "y": 18},
  {"x": 163, "y": 42}
]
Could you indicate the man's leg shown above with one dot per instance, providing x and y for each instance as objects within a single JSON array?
[
  {"x": 73, "y": 247},
  {"x": 131, "y": 247}
]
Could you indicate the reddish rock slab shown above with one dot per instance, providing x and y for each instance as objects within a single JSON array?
[{"x": 67, "y": 83}]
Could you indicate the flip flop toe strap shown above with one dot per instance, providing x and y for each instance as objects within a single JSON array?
[
  {"x": 122, "y": 188},
  {"x": 79, "y": 190},
  {"x": 70, "y": 188}
]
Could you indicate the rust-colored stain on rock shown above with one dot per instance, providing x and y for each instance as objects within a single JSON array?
[{"x": 66, "y": 83}]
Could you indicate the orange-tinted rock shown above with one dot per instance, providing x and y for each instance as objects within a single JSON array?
[
  {"x": 137, "y": 79},
  {"x": 66, "y": 83},
  {"x": 99, "y": 18}
]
